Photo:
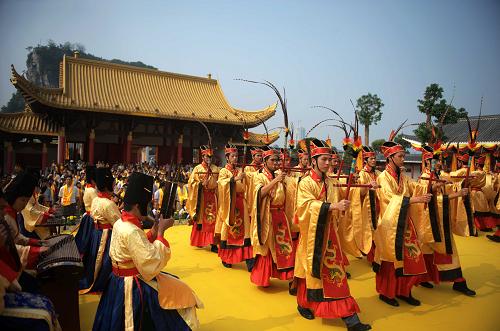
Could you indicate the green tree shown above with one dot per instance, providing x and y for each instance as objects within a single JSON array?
[
  {"x": 15, "y": 104},
  {"x": 438, "y": 112},
  {"x": 369, "y": 112},
  {"x": 377, "y": 143}
]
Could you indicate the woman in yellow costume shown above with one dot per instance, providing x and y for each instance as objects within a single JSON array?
[{"x": 138, "y": 295}]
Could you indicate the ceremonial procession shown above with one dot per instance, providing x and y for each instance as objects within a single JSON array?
[{"x": 137, "y": 198}]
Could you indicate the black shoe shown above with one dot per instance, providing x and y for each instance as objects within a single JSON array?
[
  {"x": 359, "y": 327},
  {"x": 494, "y": 238},
  {"x": 227, "y": 265},
  {"x": 409, "y": 300},
  {"x": 487, "y": 230},
  {"x": 426, "y": 285},
  {"x": 292, "y": 290},
  {"x": 306, "y": 313},
  {"x": 250, "y": 263},
  {"x": 389, "y": 301},
  {"x": 214, "y": 249},
  {"x": 348, "y": 275},
  {"x": 462, "y": 288}
]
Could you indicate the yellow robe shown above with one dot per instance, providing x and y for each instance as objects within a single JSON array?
[
  {"x": 461, "y": 224},
  {"x": 392, "y": 224},
  {"x": 368, "y": 220},
  {"x": 276, "y": 197},
  {"x": 478, "y": 197},
  {"x": 308, "y": 212},
  {"x": 224, "y": 223},
  {"x": 89, "y": 194},
  {"x": 195, "y": 186},
  {"x": 446, "y": 245},
  {"x": 250, "y": 171}
]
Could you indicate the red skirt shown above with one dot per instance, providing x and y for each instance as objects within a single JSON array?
[
  {"x": 432, "y": 274},
  {"x": 485, "y": 222},
  {"x": 328, "y": 309},
  {"x": 235, "y": 255},
  {"x": 371, "y": 254},
  {"x": 265, "y": 268},
  {"x": 200, "y": 238},
  {"x": 389, "y": 285}
]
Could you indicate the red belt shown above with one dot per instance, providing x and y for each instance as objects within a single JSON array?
[
  {"x": 475, "y": 189},
  {"x": 240, "y": 195},
  {"x": 276, "y": 207},
  {"x": 100, "y": 226},
  {"x": 125, "y": 272}
]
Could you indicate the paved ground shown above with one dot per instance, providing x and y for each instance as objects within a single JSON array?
[{"x": 233, "y": 303}]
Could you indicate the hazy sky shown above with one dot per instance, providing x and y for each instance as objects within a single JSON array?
[{"x": 323, "y": 52}]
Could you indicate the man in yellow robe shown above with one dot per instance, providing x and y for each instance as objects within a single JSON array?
[
  {"x": 233, "y": 222},
  {"x": 202, "y": 200},
  {"x": 251, "y": 170},
  {"x": 270, "y": 227},
  {"x": 435, "y": 226},
  {"x": 256, "y": 163},
  {"x": 322, "y": 289},
  {"x": 398, "y": 257},
  {"x": 370, "y": 203},
  {"x": 138, "y": 294},
  {"x": 482, "y": 194}
]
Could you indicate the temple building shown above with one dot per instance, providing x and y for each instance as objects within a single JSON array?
[{"x": 109, "y": 112}]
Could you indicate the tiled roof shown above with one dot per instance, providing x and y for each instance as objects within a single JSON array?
[
  {"x": 258, "y": 139},
  {"x": 489, "y": 129},
  {"x": 97, "y": 86},
  {"x": 27, "y": 122}
]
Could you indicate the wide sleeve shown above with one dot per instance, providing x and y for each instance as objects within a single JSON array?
[
  {"x": 149, "y": 258},
  {"x": 112, "y": 213},
  {"x": 355, "y": 230},
  {"x": 224, "y": 196},
  {"x": 314, "y": 214},
  {"x": 33, "y": 214},
  {"x": 194, "y": 190},
  {"x": 389, "y": 236},
  {"x": 260, "y": 216}
]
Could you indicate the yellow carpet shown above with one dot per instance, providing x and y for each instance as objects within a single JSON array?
[{"x": 233, "y": 303}]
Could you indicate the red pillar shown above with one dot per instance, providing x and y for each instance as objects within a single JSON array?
[
  {"x": 179, "y": 148},
  {"x": 91, "y": 146},
  {"x": 44, "y": 156},
  {"x": 61, "y": 147},
  {"x": 10, "y": 158},
  {"x": 128, "y": 151}
]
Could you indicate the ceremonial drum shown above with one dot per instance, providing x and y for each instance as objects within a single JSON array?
[{"x": 59, "y": 270}]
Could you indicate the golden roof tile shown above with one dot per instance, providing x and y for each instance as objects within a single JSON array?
[
  {"x": 98, "y": 86},
  {"x": 28, "y": 123},
  {"x": 259, "y": 139}
]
